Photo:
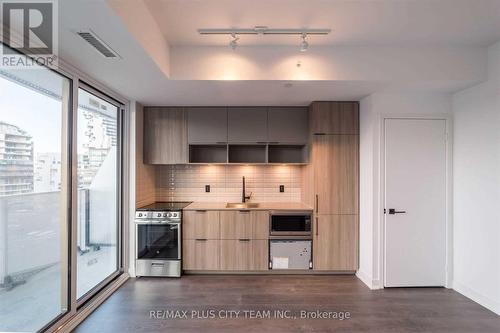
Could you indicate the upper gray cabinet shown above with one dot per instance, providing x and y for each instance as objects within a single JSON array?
[
  {"x": 207, "y": 125},
  {"x": 288, "y": 125},
  {"x": 247, "y": 124}
]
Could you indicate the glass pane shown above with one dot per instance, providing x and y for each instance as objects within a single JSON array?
[
  {"x": 158, "y": 241},
  {"x": 34, "y": 106},
  {"x": 97, "y": 191}
]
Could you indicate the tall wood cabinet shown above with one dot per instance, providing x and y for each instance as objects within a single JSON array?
[
  {"x": 335, "y": 162},
  {"x": 332, "y": 184},
  {"x": 336, "y": 242},
  {"x": 334, "y": 118}
]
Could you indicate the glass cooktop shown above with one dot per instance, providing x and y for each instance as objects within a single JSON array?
[{"x": 165, "y": 206}]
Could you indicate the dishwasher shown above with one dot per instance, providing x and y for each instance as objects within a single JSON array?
[{"x": 290, "y": 240}]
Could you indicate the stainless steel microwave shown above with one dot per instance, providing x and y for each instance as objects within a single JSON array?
[{"x": 290, "y": 223}]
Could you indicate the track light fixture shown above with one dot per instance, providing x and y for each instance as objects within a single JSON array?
[
  {"x": 304, "y": 45},
  {"x": 263, "y": 30},
  {"x": 234, "y": 42}
]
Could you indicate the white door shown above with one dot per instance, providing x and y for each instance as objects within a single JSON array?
[{"x": 415, "y": 188}]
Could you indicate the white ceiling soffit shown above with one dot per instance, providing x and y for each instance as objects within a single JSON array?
[{"x": 359, "y": 22}]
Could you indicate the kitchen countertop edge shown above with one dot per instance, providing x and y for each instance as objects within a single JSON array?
[{"x": 262, "y": 206}]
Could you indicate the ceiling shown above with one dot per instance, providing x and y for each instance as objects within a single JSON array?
[
  {"x": 353, "y": 22},
  {"x": 137, "y": 76}
]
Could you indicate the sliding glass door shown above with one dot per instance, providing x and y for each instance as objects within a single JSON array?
[
  {"x": 98, "y": 198},
  {"x": 60, "y": 195},
  {"x": 34, "y": 198}
]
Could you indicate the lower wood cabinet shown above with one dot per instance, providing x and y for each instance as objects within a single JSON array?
[
  {"x": 243, "y": 254},
  {"x": 225, "y": 240},
  {"x": 201, "y": 224},
  {"x": 200, "y": 254},
  {"x": 239, "y": 224},
  {"x": 335, "y": 242}
]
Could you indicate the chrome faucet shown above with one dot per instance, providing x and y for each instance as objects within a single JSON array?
[{"x": 244, "y": 197}]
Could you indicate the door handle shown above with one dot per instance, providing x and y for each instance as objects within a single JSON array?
[
  {"x": 393, "y": 211},
  {"x": 316, "y": 226},
  {"x": 317, "y": 205}
]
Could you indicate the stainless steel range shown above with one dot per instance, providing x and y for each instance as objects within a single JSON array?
[{"x": 159, "y": 235}]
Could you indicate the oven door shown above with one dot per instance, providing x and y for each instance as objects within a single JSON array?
[{"x": 159, "y": 241}]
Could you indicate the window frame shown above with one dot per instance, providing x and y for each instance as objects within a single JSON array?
[
  {"x": 67, "y": 221},
  {"x": 74, "y": 309},
  {"x": 119, "y": 181}
]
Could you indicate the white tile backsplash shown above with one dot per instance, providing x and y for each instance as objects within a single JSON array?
[{"x": 187, "y": 182}]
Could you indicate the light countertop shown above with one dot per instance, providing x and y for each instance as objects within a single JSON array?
[{"x": 262, "y": 206}]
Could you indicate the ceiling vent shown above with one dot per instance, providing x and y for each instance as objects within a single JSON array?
[{"x": 90, "y": 37}]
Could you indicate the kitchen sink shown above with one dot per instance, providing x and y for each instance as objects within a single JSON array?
[{"x": 242, "y": 205}]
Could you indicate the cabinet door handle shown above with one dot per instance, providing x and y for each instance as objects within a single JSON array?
[
  {"x": 317, "y": 203},
  {"x": 244, "y": 240},
  {"x": 201, "y": 210},
  {"x": 317, "y": 228},
  {"x": 201, "y": 239},
  {"x": 245, "y": 211}
]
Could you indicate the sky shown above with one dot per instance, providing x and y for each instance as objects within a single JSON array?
[
  {"x": 33, "y": 112},
  {"x": 40, "y": 115}
]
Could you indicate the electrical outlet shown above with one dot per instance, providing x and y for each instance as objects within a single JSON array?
[
  {"x": 282, "y": 188},
  {"x": 207, "y": 188}
]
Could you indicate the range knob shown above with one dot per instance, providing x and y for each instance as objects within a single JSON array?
[
  {"x": 169, "y": 215},
  {"x": 164, "y": 214},
  {"x": 140, "y": 214},
  {"x": 158, "y": 215}
]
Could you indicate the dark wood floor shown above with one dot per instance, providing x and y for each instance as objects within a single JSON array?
[{"x": 389, "y": 310}]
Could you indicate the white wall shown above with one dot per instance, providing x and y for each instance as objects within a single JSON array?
[
  {"x": 371, "y": 110},
  {"x": 477, "y": 188},
  {"x": 410, "y": 66}
]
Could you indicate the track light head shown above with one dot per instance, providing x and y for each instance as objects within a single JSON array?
[
  {"x": 304, "y": 45},
  {"x": 234, "y": 42}
]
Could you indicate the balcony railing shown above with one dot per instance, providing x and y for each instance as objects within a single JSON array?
[{"x": 30, "y": 231}]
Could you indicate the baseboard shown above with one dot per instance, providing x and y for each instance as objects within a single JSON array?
[
  {"x": 371, "y": 283},
  {"x": 377, "y": 284},
  {"x": 479, "y": 298},
  {"x": 269, "y": 272}
]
